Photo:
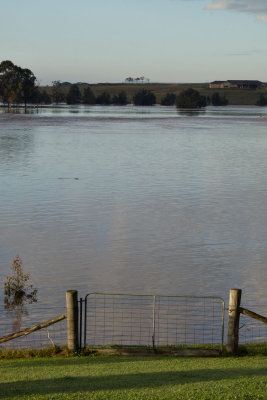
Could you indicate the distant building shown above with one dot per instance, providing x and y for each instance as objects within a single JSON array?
[
  {"x": 236, "y": 84},
  {"x": 217, "y": 85}
]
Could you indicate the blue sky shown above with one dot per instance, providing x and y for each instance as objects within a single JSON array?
[{"x": 109, "y": 40}]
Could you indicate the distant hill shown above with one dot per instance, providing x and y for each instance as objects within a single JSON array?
[
  {"x": 66, "y": 84},
  {"x": 81, "y": 84}
]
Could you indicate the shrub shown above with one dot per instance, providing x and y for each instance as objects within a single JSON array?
[
  {"x": 74, "y": 95},
  {"x": 168, "y": 100},
  {"x": 144, "y": 98},
  {"x": 103, "y": 98},
  {"x": 190, "y": 98},
  {"x": 217, "y": 100},
  {"x": 88, "y": 96},
  {"x": 17, "y": 290},
  {"x": 120, "y": 99},
  {"x": 262, "y": 101},
  {"x": 45, "y": 98}
]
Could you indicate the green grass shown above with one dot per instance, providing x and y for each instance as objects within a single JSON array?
[{"x": 137, "y": 378}]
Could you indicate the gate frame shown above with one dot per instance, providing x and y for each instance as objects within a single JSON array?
[{"x": 83, "y": 315}]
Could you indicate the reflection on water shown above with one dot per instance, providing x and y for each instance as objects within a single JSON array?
[
  {"x": 164, "y": 202},
  {"x": 17, "y": 145},
  {"x": 191, "y": 113},
  {"x": 131, "y": 111}
]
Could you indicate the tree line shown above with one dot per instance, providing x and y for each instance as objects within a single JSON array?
[
  {"x": 189, "y": 98},
  {"x": 140, "y": 79},
  {"x": 19, "y": 85},
  {"x": 87, "y": 96}
]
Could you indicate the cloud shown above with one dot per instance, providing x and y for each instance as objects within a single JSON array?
[
  {"x": 244, "y": 53},
  {"x": 257, "y": 7}
]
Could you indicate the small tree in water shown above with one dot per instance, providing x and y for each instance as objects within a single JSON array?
[
  {"x": 18, "y": 292},
  {"x": 190, "y": 98}
]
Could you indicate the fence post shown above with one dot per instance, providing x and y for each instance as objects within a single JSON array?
[
  {"x": 72, "y": 319},
  {"x": 233, "y": 321}
]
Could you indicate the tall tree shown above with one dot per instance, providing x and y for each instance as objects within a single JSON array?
[
  {"x": 45, "y": 98},
  {"x": 74, "y": 95},
  {"x": 57, "y": 93},
  {"x": 88, "y": 96},
  {"x": 129, "y": 79},
  {"x": 28, "y": 85},
  {"x": 10, "y": 83},
  {"x": 16, "y": 83}
]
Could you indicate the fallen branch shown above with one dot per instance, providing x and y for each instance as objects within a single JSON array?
[{"x": 32, "y": 329}]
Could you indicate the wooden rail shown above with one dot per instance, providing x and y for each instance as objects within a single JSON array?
[
  {"x": 252, "y": 314},
  {"x": 32, "y": 329}
]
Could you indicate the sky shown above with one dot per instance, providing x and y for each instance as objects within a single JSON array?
[{"x": 109, "y": 40}]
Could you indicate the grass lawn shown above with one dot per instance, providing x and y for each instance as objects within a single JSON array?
[{"x": 138, "y": 378}]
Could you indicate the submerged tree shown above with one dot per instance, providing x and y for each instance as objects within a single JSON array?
[
  {"x": 39, "y": 97},
  {"x": 190, "y": 98},
  {"x": 74, "y": 95},
  {"x": 88, "y": 96},
  {"x": 45, "y": 98},
  {"x": 262, "y": 101},
  {"x": 16, "y": 84},
  {"x": 217, "y": 100},
  {"x": 103, "y": 99},
  {"x": 57, "y": 93},
  {"x": 120, "y": 99},
  {"x": 10, "y": 85},
  {"x": 168, "y": 99},
  {"x": 18, "y": 292},
  {"x": 144, "y": 98},
  {"x": 28, "y": 86}
]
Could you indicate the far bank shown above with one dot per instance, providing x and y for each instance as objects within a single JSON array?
[{"x": 234, "y": 96}]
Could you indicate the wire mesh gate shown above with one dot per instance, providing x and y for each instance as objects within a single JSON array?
[{"x": 108, "y": 319}]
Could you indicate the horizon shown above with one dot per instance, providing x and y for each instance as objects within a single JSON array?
[{"x": 146, "y": 83}]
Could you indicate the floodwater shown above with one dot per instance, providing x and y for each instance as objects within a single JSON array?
[{"x": 135, "y": 199}]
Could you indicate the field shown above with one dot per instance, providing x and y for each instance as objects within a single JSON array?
[
  {"x": 235, "y": 96},
  {"x": 137, "y": 378}
]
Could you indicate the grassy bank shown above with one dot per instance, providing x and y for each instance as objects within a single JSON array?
[
  {"x": 235, "y": 96},
  {"x": 135, "y": 378}
]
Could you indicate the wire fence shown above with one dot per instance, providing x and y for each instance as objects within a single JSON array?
[
  {"x": 152, "y": 320},
  {"x": 136, "y": 320},
  {"x": 53, "y": 335},
  {"x": 189, "y": 321}
]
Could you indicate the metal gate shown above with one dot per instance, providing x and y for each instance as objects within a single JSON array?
[{"x": 108, "y": 319}]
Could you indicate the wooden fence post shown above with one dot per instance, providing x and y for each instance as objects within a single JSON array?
[
  {"x": 233, "y": 321},
  {"x": 72, "y": 319}
]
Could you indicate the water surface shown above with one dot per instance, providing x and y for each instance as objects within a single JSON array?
[{"x": 132, "y": 199}]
